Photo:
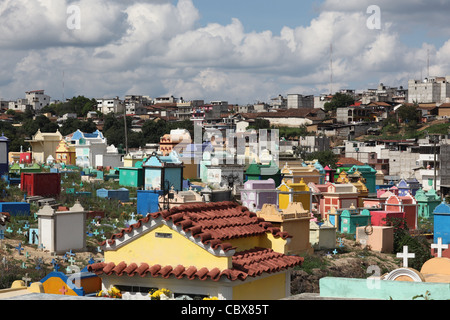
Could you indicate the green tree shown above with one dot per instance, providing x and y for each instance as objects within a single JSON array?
[
  {"x": 40, "y": 122},
  {"x": 418, "y": 245},
  {"x": 339, "y": 100},
  {"x": 325, "y": 158},
  {"x": 260, "y": 124},
  {"x": 154, "y": 130},
  {"x": 409, "y": 115}
]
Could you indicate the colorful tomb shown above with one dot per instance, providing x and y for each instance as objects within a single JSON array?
[{"x": 213, "y": 249}]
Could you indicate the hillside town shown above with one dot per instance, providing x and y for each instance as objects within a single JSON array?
[{"x": 141, "y": 197}]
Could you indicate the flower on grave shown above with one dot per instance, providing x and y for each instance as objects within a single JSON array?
[
  {"x": 211, "y": 298},
  {"x": 160, "y": 294},
  {"x": 113, "y": 292}
]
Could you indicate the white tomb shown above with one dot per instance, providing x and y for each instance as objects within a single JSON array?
[{"x": 62, "y": 231}]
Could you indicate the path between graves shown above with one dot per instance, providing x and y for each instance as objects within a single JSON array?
[{"x": 353, "y": 263}]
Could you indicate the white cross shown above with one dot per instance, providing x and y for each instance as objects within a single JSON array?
[
  {"x": 26, "y": 279},
  {"x": 405, "y": 255},
  {"x": 439, "y": 246}
]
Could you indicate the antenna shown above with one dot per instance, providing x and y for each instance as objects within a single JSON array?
[
  {"x": 331, "y": 68},
  {"x": 428, "y": 63},
  {"x": 63, "y": 95}
]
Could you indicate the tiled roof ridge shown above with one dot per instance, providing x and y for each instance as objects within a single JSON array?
[
  {"x": 194, "y": 218},
  {"x": 249, "y": 263}
]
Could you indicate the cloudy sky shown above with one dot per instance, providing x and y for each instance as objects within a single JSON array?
[{"x": 239, "y": 51}]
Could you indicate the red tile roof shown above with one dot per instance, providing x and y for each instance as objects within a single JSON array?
[
  {"x": 214, "y": 223},
  {"x": 249, "y": 263}
]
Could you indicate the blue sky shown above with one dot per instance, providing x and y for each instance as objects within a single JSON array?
[
  {"x": 259, "y": 15},
  {"x": 211, "y": 50}
]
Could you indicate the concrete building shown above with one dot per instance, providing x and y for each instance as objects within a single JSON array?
[
  {"x": 135, "y": 104},
  {"x": 34, "y": 100},
  {"x": 185, "y": 108},
  {"x": 353, "y": 114},
  {"x": 314, "y": 143},
  {"x": 37, "y": 99},
  {"x": 433, "y": 89},
  {"x": 295, "y": 101},
  {"x": 384, "y": 94},
  {"x": 111, "y": 105},
  {"x": 279, "y": 102}
]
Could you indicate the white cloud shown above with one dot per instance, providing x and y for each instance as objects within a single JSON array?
[{"x": 159, "y": 47}]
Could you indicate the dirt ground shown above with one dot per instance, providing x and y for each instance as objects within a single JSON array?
[
  {"x": 31, "y": 253},
  {"x": 352, "y": 263}
]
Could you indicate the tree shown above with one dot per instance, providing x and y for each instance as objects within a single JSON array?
[
  {"x": 154, "y": 130},
  {"x": 339, "y": 100},
  {"x": 409, "y": 115},
  {"x": 325, "y": 158},
  {"x": 260, "y": 124},
  {"x": 72, "y": 124},
  {"x": 42, "y": 123}
]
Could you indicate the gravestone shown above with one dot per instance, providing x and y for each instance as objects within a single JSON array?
[
  {"x": 379, "y": 238},
  {"x": 60, "y": 231},
  {"x": 350, "y": 221},
  {"x": 322, "y": 236},
  {"x": 442, "y": 223}
]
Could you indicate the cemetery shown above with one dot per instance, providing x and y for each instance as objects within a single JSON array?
[{"x": 139, "y": 230}]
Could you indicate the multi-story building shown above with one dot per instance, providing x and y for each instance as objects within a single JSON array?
[
  {"x": 37, "y": 99},
  {"x": 112, "y": 105},
  {"x": 135, "y": 104},
  {"x": 384, "y": 94},
  {"x": 279, "y": 102},
  {"x": 295, "y": 101},
  {"x": 433, "y": 89},
  {"x": 34, "y": 100},
  {"x": 185, "y": 108}
]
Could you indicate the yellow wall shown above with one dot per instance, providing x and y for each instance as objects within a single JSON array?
[
  {"x": 264, "y": 241},
  {"x": 285, "y": 199},
  {"x": 175, "y": 251},
  {"x": 270, "y": 288}
]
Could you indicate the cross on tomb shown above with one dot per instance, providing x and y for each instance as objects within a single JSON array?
[
  {"x": 27, "y": 226},
  {"x": 405, "y": 256},
  {"x": 70, "y": 253},
  {"x": 23, "y": 266},
  {"x": 71, "y": 260},
  {"x": 63, "y": 290},
  {"x": 26, "y": 279},
  {"x": 41, "y": 246},
  {"x": 9, "y": 230},
  {"x": 96, "y": 232},
  {"x": 439, "y": 246}
]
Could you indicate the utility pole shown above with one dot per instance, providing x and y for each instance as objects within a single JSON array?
[
  {"x": 125, "y": 125},
  {"x": 435, "y": 138}
]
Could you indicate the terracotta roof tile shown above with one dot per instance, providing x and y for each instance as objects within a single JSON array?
[
  {"x": 213, "y": 223},
  {"x": 249, "y": 263}
]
